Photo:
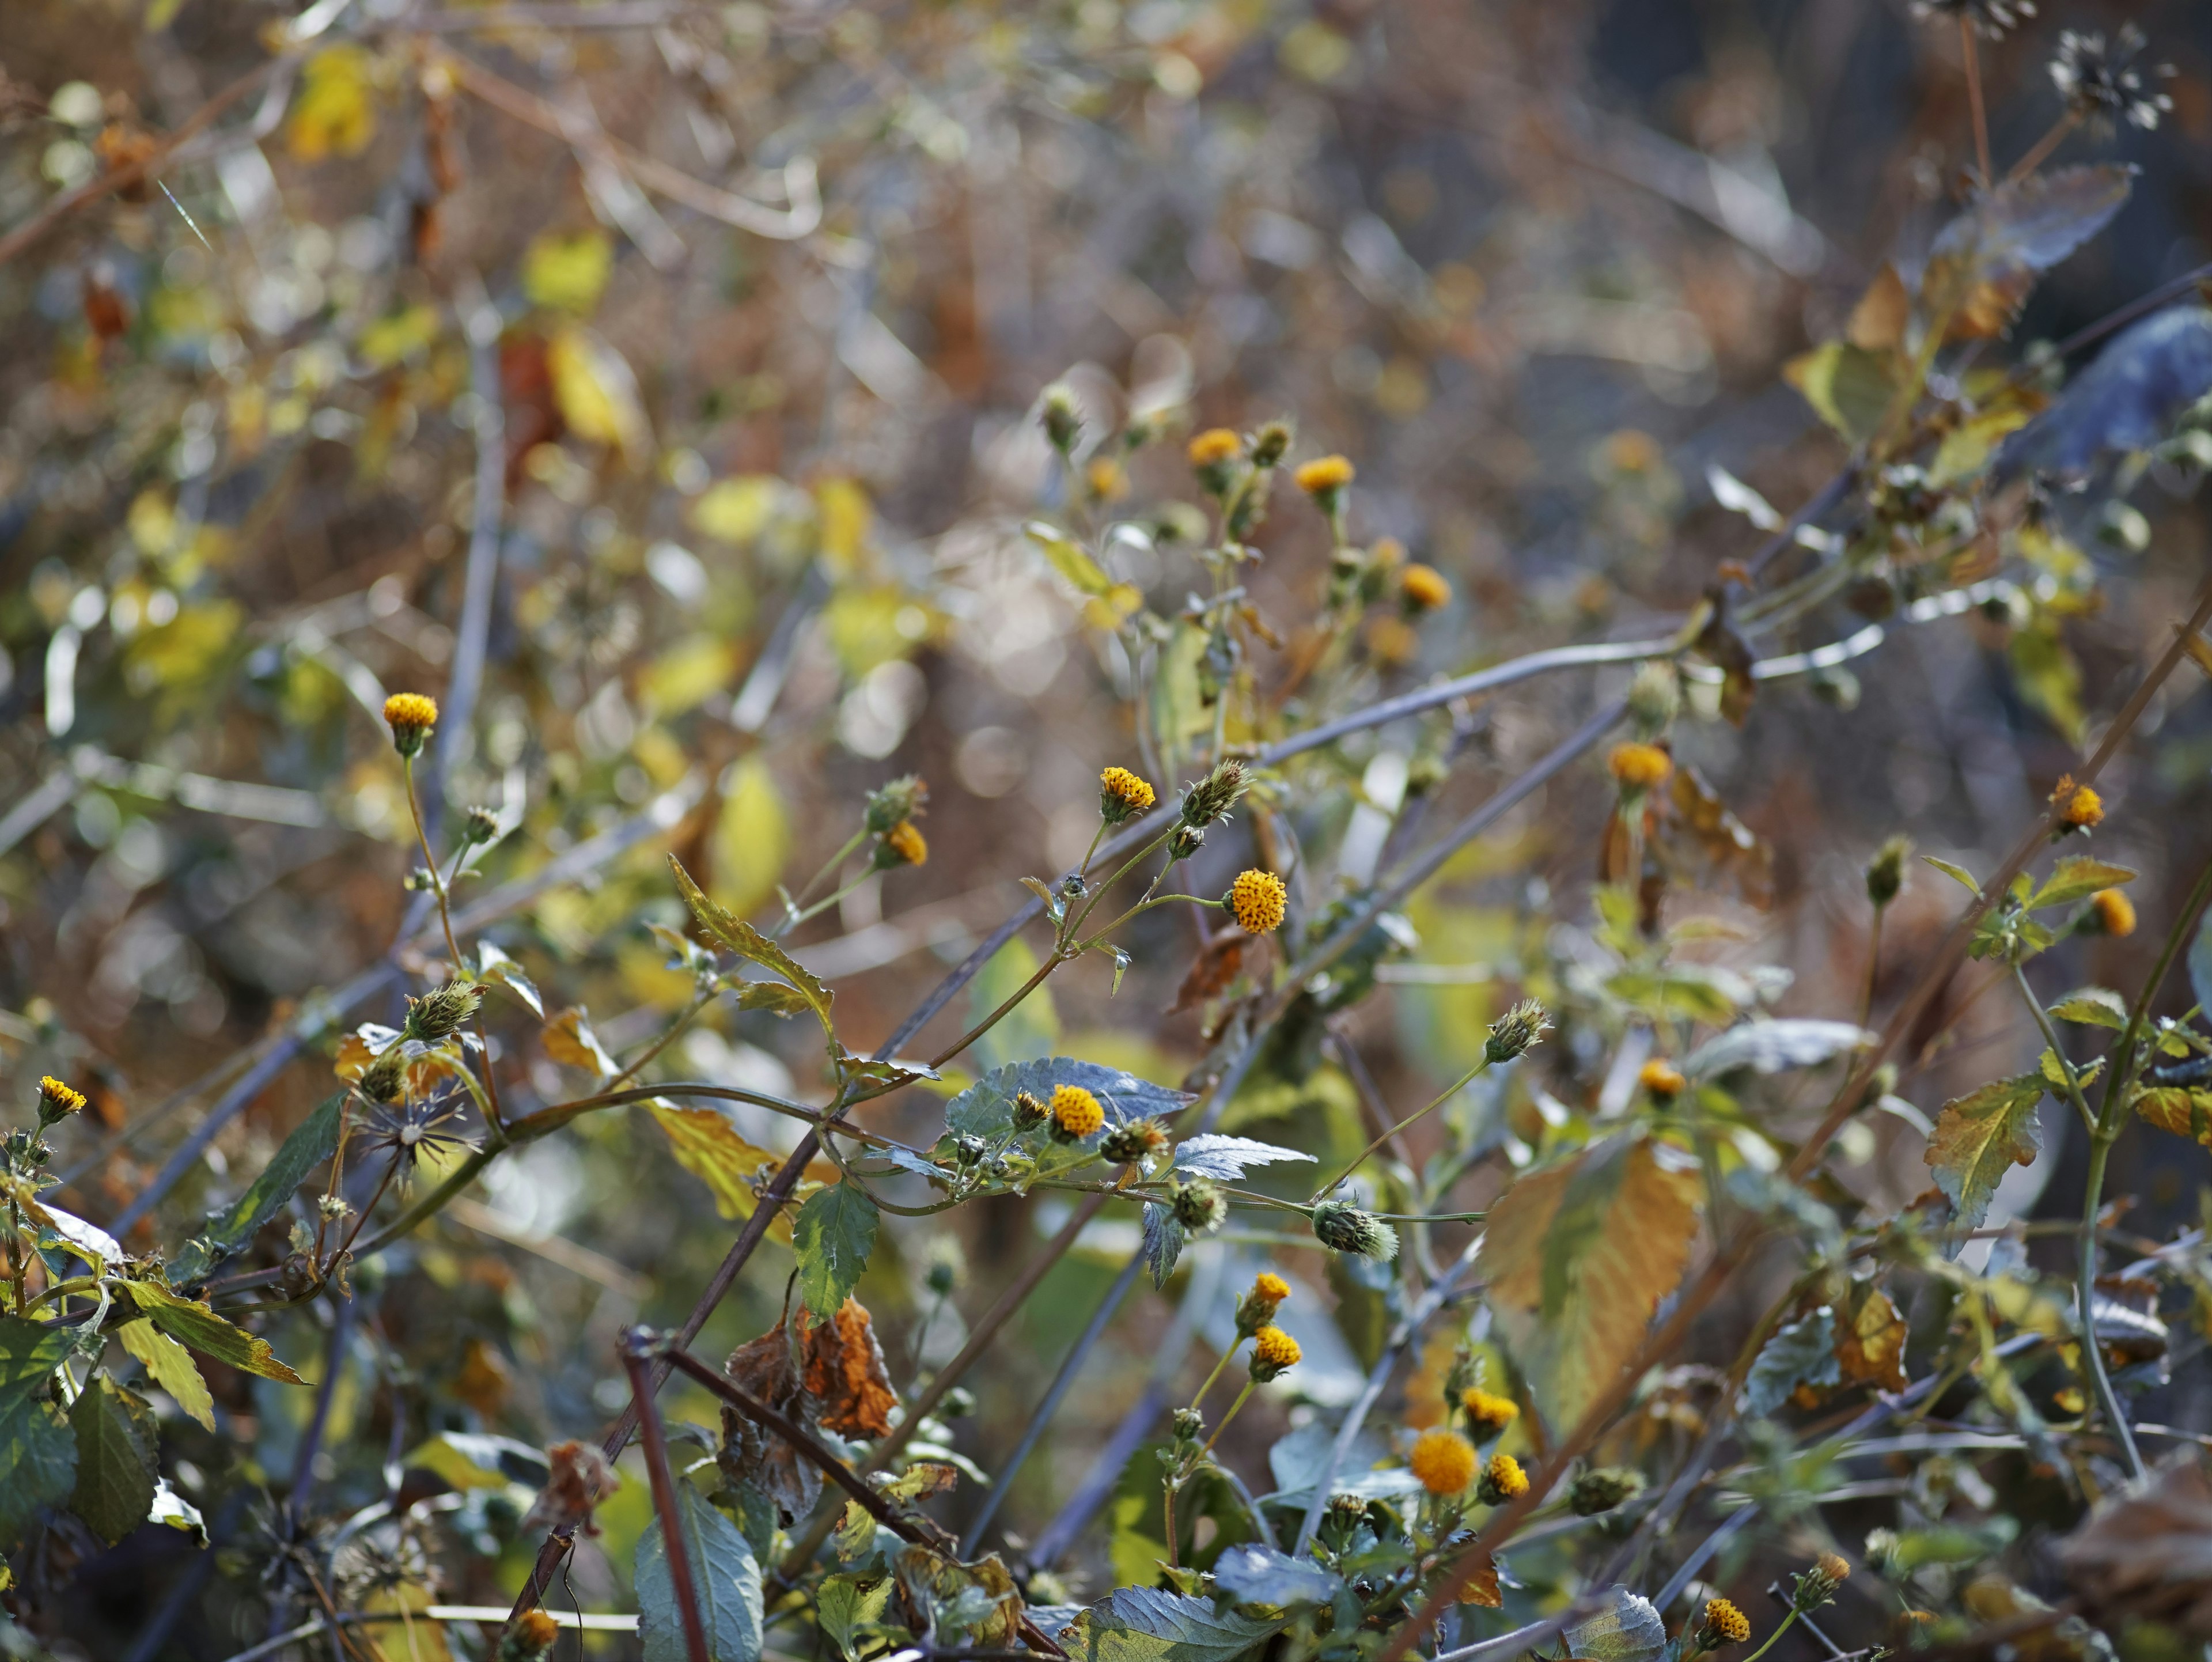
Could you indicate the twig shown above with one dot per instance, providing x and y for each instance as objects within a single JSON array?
[{"x": 676, "y": 1549}]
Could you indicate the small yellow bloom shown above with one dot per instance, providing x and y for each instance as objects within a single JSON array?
[
  {"x": 1660, "y": 1078},
  {"x": 1423, "y": 589},
  {"x": 1257, "y": 1308},
  {"x": 2115, "y": 913},
  {"x": 2081, "y": 808},
  {"x": 1075, "y": 1112},
  {"x": 1636, "y": 766},
  {"x": 1488, "y": 1415},
  {"x": 1214, "y": 447},
  {"x": 1323, "y": 475},
  {"x": 1502, "y": 1480},
  {"x": 1444, "y": 1461},
  {"x": 1256, "y": 900},
  {"x": 1834, "y": 1565},
  {"x": 1107, "y": 480},
  {"x": 1725, "y": 1624},
  {"x": 57, "y": 1099},
  {"x": 1275, "y": 1352},
  {"x": 1271, "y": 1286},
  {"x": 411, "y": 716},
  {"x": 1122, "y": 796},
  {"x": 907, "y": 843},
  {"x": 534, "y": 1634}
]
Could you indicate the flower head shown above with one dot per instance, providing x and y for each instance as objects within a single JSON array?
[
  {"x": 530, "y": 1640},
  {"x": 1424, "y": 588},
  {"x": 1661, "y": 1078},
  {"x": 1133, "y": 1141},
  {"x": 57, "y": 1101},
  {"x": 1271, "y": 443},
  {"x": 2102, "y": 84},
  {"x": 1214, "y": 447},
  {"x": 1257, "y": 1308},
  {"x": 900, "y": 799},
  {"x": 1885, "y": 873},
  {"x": 1655, "y": 699},
  {"x": 1075, "y": 1113},
  {"x": 1812, "y": 1588},
  {"x": 1488, "y": 1416},
  {"x": 1723, "y": 1624},
  {"x": 1214, "y": 796},
  {"x": 1122, "y": 796},
  {"x": 1601, "y": 1488},
  {"x": 1198, "y": 1206},
  {"x": 1992, "y": 18},
  {"x": 442, "y": 1012},
  {"x": 1514, "y": 1031},
  {"x": 1061, "y": 416},
  {"x": 1028, "y": 1110},
  {"x": 1255, "y": 900},
  {"x": 407, "y": 1131},
  {"x": 2111, "y": 912},
  {"x": 2080, "y": 809},
  {"x": 903, "y": 844},
  {"x": 1638, "y": 766},
  {"x": 1343, "y": 1228},
  {"x": 411, "y": 716},
  {"x": 1444, "y": 1461},
  {"x": 1324, "y": 479},
  {"x": 1502, "y": 1480},
  {"x": 1275, "y": 1352}
]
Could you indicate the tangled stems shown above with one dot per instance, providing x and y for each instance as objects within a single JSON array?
[{"x": 488, "y": 1100}]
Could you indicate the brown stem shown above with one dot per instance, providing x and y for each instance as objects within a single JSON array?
[
  {"x": 1966, "y": 43},
  {"x": 634, "y": 1347}
]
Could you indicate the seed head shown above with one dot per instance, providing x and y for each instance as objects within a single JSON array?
[
  {"x": 1601, "y": 1488},
  {"x": 1423, "y": 589},
  {"x": 1654, "y": 698},
  {"x": 442, "y": 1012},
  {"x": 1488, "y": 1416},
  {"x": 1075, "y": 1113},
  {"x": 1062, "y": 417},
  {"x": 481, "y": 826},
  {"x": 1255, "y": 900},
  {"x": 1502, "y": 1480},
  {"x": 386, "y": 1078},
  {"x": 2080, "y": 809},
  {"x": 1885, "y": 873},
  {"x": 1994, "y": 19},
  {"x": 1343, "y": 1228},
  {"x": 57, "y": 1101},
  {"x": 1662, "y": 1079},
  {"x": 1635, "y": 765},
  {"x": 1723, "y": 1624},
  {"x": 2101, "y": 83},
  {"x": 1122, "y": 796},
  {"x": 1028, "y": 1110},
  {"x": 2111, "y": 912},
  {"x": 1444, "y": 1461},
  {"x": 1257, "y": 1308},
  {"x": 1212, "y": 796},
  {"x": 1271, "y": 443},
  {"x": 901, "y": 799},
  {"x": 901, "y": 845},
  {"x": 1198, "y": 1206},
  {"x": 1136, "y": 1140},
  {"x": 530, "y": 1640},
  {"x": 1275, "y": 1352},
  {"x": 1513, "y": 1033},
  {"x": 411, "y": 716}
]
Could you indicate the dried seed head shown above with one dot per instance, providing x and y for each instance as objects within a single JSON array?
[
  {"x": 1275, "y": 1352},
  {"x": 902, "y": 799},
  {"x": 1488, "y": 1416},
  {"x": 442, "y": 1012},
  {"x": 1502, "y": 1480},
  {"x": 1601, "y": 1488},
  {"x": 1885, "y": 873},
  {"x": 1992, "y": 18},
  {"x": 1654, "y": 698},
  {"x": 1198, "y": 1206},
  {"x": 411, "y": 716},
  {"x": 2102, "y": 84},
  {"x": 1137, "y": 1140},
  {"x": 1343, "y": 1228},
  {"x": 1255, "y": 900},
  {"x": 1075, "y": 1113},
  {"x": 1062, "y": 417},
  {"x": 1212, "y": 796},
  {"x": 1513, "y": 1032},
  {"x": 1122, "y": 796},
  {"x": 386, "y": 1078}
]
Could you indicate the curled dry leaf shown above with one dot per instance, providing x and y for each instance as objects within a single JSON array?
[
  {"x": 2147, "y": 1551},
  {"x": 832, "y": 1377},
  {"x": 581, "y": 1479}
]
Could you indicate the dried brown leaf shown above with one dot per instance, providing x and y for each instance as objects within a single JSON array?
[
  {"x": 845, "y": 1374},
  {"x": 581, "y": 1479},
  {"x": 2147, "y": 1551}
]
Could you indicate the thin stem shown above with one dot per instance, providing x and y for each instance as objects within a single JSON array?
[
  {"x": 1051, "y": 963},
  {"x": 1418, "y": 1115},
  {"x": 2085, "y": 1287},
  {"x": 1787, "y": 1622},
  {"x": 1967, "y": 45},
  {"x": 1241, "y": 1397},
  {"x": 430, "y": 862},
  {"x": 1199, "y": 1400},
  {"x": 2043, "y": 146},
  {"x": 673, "y": 1544},
  {"x": 793, "y": 918},
  {"x": 2050, "y": 1037},
  {"x": 1874, "y": 965},
  {"x": 1150, "y": 901}
]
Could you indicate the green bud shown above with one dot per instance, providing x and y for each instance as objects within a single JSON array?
[
  {"x": 1212, "y": 796},
  {"x": 1513, "y": 1032},
  {"x": 1343, "y": 1228},
  {"x": 1198, "y": 1206},
  {"x": 1062, "y": 417},
  {"x": 1885, "y": 873},
  {"x": 442, "y": 1012},
  {"x": 1601, "y": 1488}
]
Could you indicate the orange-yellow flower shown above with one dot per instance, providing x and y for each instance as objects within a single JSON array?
[
  {"x": 1214, "y": 447},
  {"x": 1256, "y": 900},
  {"x": 1075, "y": 1112},
  {"x": 905, "y": 841},
  {"x": 2114, "y": 912},
  {"x": 1257, "y": 1308},
  {"x": 1275, "y": 1352},
  {"x": 1502, "y": 1480},
  {"x": 1660, "y": 1078},
  {"x": 533, "y": 1638},
  {"x": 1638, "y": 766},
  {"x": 2080, "y": 807},
  {"x": 1271, "y": 1286},
  {"x": 1488, "y": 1415},
  {"x": 410, "y": 715},
  {"x": 1323, "y": 474},
  {"x": 1444, "y": 1461},
  {"x": 1121, "y": 795},
  {"x": 1725, "y": 1623},
  {"x": 1424, "y": 588},
  {"x": 57, "y": 1099}
]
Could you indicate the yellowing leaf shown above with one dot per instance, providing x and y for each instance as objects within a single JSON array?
[
  {"x": 152, "y": 523},
  {"x": 738, "y": 510},
  {"x": 567, "y": 273},
  {"x": 1579, "y": 1257},
  {"x": 397, "y": 335},
  {"x": 707, "y": 1146},
  {"x": 331, "y": 113},
  {"x": 846, "y": 517},
  {"x": 597, "y": 392},
  {"x": 1878, "y": 322},
  {"x": 870, "y": 625},
  {"x": 751, "y": 839},
  {"x": 1851, "y": 386},
  {"x": 1069, "y": 560},
  {"x": 568, "y": 1038},
  {"x": 1966, "y": 448},
  {"x": 1979, "y": 1136},
  {"x": 2184, "y": 1113},
  {"x": 1871, "y": 1337},
  {"x": 687, "y": 674},
  {"x": 170, "y": 1366}
]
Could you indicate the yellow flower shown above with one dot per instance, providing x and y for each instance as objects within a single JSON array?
[
  {"x": 2081, "y": 808},
  {"x": 1214, "y": 447},
  {"x": 1660, "y": 1078},
  {"x": 1423, "y": 589},
  {"x": 1639, "y": 766},
  {"x": 1273, "y": 1353},
  {"x": 1834, "y": 1565},
  {"x": 1075, "y": 1112},
  {"x": 1323, "y": 475},
  {"x": 1502, "y": 1480},
  {"x": 2114, "y": 912},
  {"x": 1255, "y": 900},
  {"x": 1488, "y": 1415},
  {"x": 1444, "y": 1461},
  {"x": 57, "y": 1099},
  {"x": 907, "y": 843},
  {"x": 533, "y": 1636},
  {"x": 1121, "y": 795},
  {"x": 1271, "y": 1286},
  {"x": 411, "y": 716},
  {"x": 1725, "y": 1623},
  {"x": 1107, "y": 480},
  {"x": 1257, "y": 1308}
]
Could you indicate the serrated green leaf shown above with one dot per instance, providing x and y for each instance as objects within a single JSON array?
[
  {"x": 1801, "y": 1353},
  {"x": 2076, "y": 877},
  {"x": 1164, "y": 1243},
  {"x": 169, "y": 1366},
  {"x": 732, "y": 933},
  {"x": 2096, "y": 1007},
  {"x": 1980, "y": 1137},
  {"x": 851, "y": 1609},
  {"x": 833, "y": 1235},
  {"x": 38, "y": 1463},
  {"x": 29, "y": 1354},
  {"x": 723, "y": 1574},
  {"x": 313, "y": 1141},
  {"x": 197, "y": 1327},
  {"x": 1145, "y": 1624},
  {"x": 118, "y": 1449},
  {"x": 1958, "y": 874}
]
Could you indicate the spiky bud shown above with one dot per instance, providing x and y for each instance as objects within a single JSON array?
[
  {"x": 1062, "y": 417},
  {"x": 1136, "y": 1140},
  {"x": 481, "y": 826},
  {"x": 1190, "y": 1425},
  {"x": 1513, "y": 1032},
  {"x": 1198, "y": 1206},
  {"x": 1211, "y": 797},
  {"x": 1812, "y": 1588},
  {"x": 1271, "y": 443},
  {"x": 1601, "y": 1488},
  {"x": 1028, "y": 1110},
  {"x": 442, "y": 1012},
  {"x": 1885, "y": 873},
  {"x": 970, "y": 1150},
  {"x": 902, "y": 799},
  {"x": 1343, "y": 1228},
  {"x": 1187, "y": 841},
  {"x": 1654, "y": 698},
  {"x": 386, "y": 1078}
]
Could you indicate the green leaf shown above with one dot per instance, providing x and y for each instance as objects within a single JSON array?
[
  {"x": 493, "y": 964},
  {"x": 1144, "y": 1624},
  {"x": 733, "y": 935},
  {"x": 118, "y": 1463},
  {"x": 1625, "y": 1629},
  {"x": 472, "y": 1459},
  {"x": 1850, "y": 387},
  {"x": 169, "y": 1366},
  {"x": 1081, "y": 571},
  {"x": 172, "y": 1511},
  {"x": 194, "y": 1326},
  {"x": 1979, "y": 1136},
  {"x": 770, "y": 995},
  {"x": 1801, "y": 1353},
  {"x": 833, "y": 1235},
  {"x": 1164, "y": 1243},
  {"x": 313, "y": 1141},
  {"x": 2077, "y": 877},
  {"x": 2096, "y": 1007},
  {"x": 723, "y": 1574},
  {"x": 1957, "y": 873},
  {"x": 29, "y": 1353},
  {"x": 850, "y": 1609},
  {"x": 1262, "y": 1575},
  {"x": 1579, "y": 1257},
  {"x": 38, "y": 1463}
]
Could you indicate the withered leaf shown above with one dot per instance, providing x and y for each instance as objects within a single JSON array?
[
  {"x": 1211, "y": 972},
  {"x": 845, "y": 1374},
  {"x": 1871, "y": 1339},
  {"x": 581, "y": 1479},
  {"x": 2147, "y": 1551}
]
